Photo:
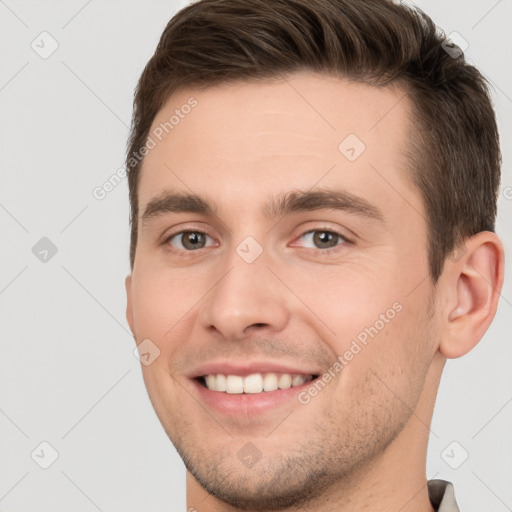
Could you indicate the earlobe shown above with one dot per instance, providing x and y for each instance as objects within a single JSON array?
[
  {"x": 475, "y": 282},
  {"x": 129, "y": 310}
]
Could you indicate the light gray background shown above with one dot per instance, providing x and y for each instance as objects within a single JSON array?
[{"x": 68, "y": 375}]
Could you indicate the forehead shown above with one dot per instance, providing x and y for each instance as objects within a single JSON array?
[{"x": 241, "y": 141}]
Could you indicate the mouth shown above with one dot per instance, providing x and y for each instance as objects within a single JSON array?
[
  {"x": 254, "y": 383},
  {"x": 251, "y": 389},
  {"x": 253, "y": 396}
]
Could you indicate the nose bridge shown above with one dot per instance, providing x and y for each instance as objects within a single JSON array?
[{"x": 245, "y": 294}]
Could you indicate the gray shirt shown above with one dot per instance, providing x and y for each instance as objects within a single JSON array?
[{"x": 442, "y": 496}]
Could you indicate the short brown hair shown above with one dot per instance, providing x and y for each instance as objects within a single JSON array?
[{"x": 454, "y": 150}]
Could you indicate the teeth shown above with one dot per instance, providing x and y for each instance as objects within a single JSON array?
[
  {"x": 270, "y": 382},
  {"x": 298, "y": 380},
  {"x": 254, "y": 383},
  {"x": 234, "y": 384},
  {"x": 285, "y": 381},
  {"x": 210, "y": 381},
  {"x": 220, "y": 382}
]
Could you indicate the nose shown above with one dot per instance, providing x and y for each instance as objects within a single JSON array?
[{"x": 245, "y": 297}]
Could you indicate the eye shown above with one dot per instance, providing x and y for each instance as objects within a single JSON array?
[
  {"x": 188, "y": 240},
  {"x": 323, "y": 239}
]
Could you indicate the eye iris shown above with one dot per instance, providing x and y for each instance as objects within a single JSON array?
[
  {"x": 195, "y": 239},
  {"x": 325, "y": 237}
]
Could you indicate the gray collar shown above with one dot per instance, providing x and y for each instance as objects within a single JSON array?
[{"x": 442, "y": 496}]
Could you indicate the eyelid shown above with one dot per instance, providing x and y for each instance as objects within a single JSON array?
[
  {"x": 191, "y": 229},
  {"x": 198, "y": 227},
  {"x": 169, "y": 237},
  {"x": 345, "y": 240}
]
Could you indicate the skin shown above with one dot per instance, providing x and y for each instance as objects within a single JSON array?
[{"x": 361, "y": 443}]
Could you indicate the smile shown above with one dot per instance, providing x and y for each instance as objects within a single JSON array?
[{"x": 253, "y": 383}]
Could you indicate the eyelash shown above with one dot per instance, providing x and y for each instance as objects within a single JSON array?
[{"x": 344, "y": 241}]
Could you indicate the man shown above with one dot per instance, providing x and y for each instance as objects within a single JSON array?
[{"x": 313, "y": 194}]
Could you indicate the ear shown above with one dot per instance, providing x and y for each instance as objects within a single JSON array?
[
  {"x": 129, "y": 306},
  {"x": 473, "y": 279}
]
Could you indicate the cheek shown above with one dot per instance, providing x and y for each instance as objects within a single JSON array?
[
  {"x": 393, "y": 359},
  {"x": 160, "y": 300},
  {"x": 352, "y": 304},
  {"x": 166, "y": 397},
  {"x": 375, "y": 328}
]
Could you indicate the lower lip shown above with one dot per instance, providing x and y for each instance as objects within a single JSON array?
[{"x": 248, "y": 404}]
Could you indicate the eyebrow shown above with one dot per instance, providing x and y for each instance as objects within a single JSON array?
[{"x": 291, "y": 202}]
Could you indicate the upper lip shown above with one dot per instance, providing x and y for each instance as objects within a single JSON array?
[{"x": 246, "y": 368}]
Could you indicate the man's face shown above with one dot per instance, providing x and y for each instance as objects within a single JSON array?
[{"x": 254, "y": 289}]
